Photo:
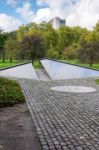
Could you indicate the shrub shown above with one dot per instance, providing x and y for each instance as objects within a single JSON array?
[{"x": 10, "y": 93}]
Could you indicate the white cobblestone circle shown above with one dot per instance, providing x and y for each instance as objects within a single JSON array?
[{"x": 73, "y": 89}]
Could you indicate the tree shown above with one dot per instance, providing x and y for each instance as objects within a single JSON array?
[
  {"x": 89, "y": 37},
  {"x": 66, "y": 39},
  {"x": 3, "y": 37},
  {"x": 22, "y": 32},
  {"x": 50, "y": 34},
  {"x": 89, "y": 50},
  {"x": 11, "y": 48},
  {"x": 52, "y": 53},
  {"x": 89, "y": 53},
  {"x": 96, "y": 28},
  {"x": 71, "y": 52},
  {"x": 78, "y": 32},
  {"x": 34, "y": 45}
]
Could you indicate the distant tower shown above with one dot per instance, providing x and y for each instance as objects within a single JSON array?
[{"x": 57, "y": 22}]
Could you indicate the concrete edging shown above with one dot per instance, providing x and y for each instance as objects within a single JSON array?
[
  {"x": 45, "y": 70},
  {"x": 15, "y": 66},
  {"x": 68, "y": 63}
]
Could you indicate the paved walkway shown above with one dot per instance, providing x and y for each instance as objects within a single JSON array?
[
  {"x": 64, "y": 121},
  {"x": 25, "y": 71}
]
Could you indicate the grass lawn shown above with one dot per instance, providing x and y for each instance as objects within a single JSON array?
[
  {"x": 10, "y": 93},
  {"x": 97, "y": 81},
  {"x": 8, "y": 64},
  {"x": 75, "y": 62},
  {"x": 36, "y": 64}
]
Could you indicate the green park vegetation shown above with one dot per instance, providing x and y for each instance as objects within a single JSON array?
[
  {"x": 36, "y": 64},
  {"x": 97, "y": 81},
  {"x": 76, "y": 62},
  {"x": 7, "y": 63},
  {"x": 10, "y": 93},
  {"x": 34, "y": 41}
]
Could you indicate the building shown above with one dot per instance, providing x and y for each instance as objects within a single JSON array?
[{"x": 57, "y": 22}]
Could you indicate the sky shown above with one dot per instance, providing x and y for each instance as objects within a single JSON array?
[{"x": 14, "y": 13}]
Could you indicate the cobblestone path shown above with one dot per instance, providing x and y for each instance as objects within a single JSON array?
[{"x": 64, "y": 121}]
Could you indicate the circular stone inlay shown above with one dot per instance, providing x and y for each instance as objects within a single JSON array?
[{"x": 74, "y": 89}]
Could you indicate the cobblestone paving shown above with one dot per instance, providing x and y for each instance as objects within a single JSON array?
[{"x": 64, "y": 121}]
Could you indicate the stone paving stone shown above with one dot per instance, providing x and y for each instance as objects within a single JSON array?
[
  {"x": 79, "y": 148},
  {"x": 64, "y": 121}
]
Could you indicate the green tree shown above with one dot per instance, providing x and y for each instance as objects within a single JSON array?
[
  {"x": 89, "y": 50},
  {"x": 66, "y": 39},
  {"x": 3, "y": 37},
  {"x": 11, "y": 48},
  {"x": 51, "y": 36},
  {"x": 96, "y": 28},
  {"x": 22, "y": 32},
  {"x": 34, "y": 45},
  {"x": 89, "y": 53},
  {"x": 52, "y": 53}
]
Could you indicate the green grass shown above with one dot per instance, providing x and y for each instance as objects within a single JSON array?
[
  {"x": 10, "y": 93},
  {"x": 9, "y": 64},
  {"x": 36, "y": 64},
  {"x": 97, "y": 81},
  {"x": 75, "y": 62}
]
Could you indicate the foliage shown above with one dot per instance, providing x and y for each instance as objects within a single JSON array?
[
  {"x": 10, "y": 93},
  {"x": 11, "y": 48},
  {"x": 3, "y": 37},
  {"x": 21, "y": 32},
  {"x": 89, "y": 50},
  {"x": 89, "y": 53},
  {"x": 52, "y": 53},
  {"x": 33, "y": 41},
  {"x": 96, "y": 28},
  {"x": 69, "y": 53},
  {"x": 34, "y": 45}
]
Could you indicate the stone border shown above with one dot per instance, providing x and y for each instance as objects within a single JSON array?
[
  {"x": 20, "y": 64},
  {"x": 68, "y": 63},
  {"x": 45, "y": 69}
]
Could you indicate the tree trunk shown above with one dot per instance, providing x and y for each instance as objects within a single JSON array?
[
  {"x": 91, "y": 61},
  {"x": 59, "y": 54},
  {"x": 32, "y": 58},
  {"x": 11, "y": 59},
  {"x": 3, "y": 57},
  {"x": 67, "y": 52}
]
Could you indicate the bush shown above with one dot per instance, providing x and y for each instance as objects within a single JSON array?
[{"x": 10, "y": 93}]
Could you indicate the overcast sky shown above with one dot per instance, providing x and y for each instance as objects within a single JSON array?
[{"x": 14, "y": 13}]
